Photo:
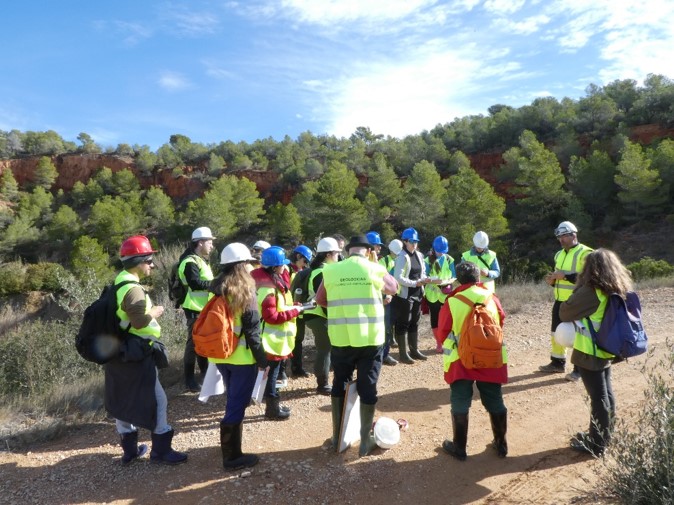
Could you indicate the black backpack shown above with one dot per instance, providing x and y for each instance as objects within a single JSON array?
[
  {"x": 177, "y": 291},
  {"x": 100, "y": 337},
  {"x": 300, "y": 285}
]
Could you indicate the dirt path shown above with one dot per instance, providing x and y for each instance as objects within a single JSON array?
[{"x": 544, "y": 411}]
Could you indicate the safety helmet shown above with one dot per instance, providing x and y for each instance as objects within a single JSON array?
[
  {"x": 481, "y": 240},
  {"x": 395, "y": 246},
  {"x": 262, "y": 245},
  {"x": 565, "y": 334},
  {"x": 203, "y": 233},
  {"x": 234, "y": 253},
  {"x": 440, "y": 244},
  {"x": 304, "y": 251},
  {"x": 564, "y": 228},
  {"x": 410, "y": 234},
  {"x": 327, "y": 244},
  {"x": 274, "y": 256},
  {"x": 373, "y": 238},
  {"x": 386, "y": 432},
  {"x": 138, "y": 245}
]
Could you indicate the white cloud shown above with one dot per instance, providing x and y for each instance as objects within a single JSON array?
[
  {"x": 191, "y": 22},
  {"x": 325, "y": 12},
  {"x": 217, "y": 71},
  {"x": 173, "y": 81},
  {"x": 503, "y": 6},
  {"x": 527, "y": 26}
]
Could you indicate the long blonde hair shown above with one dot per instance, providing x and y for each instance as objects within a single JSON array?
[
  {"x": 235, "y": 284},
  {"x": 603, "y": 270}
]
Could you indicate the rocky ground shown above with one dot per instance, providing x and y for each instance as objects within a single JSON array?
[{"x": 544, "y": 411}]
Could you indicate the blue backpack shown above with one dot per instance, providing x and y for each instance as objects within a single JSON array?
[{"x": 622, "y": 331}]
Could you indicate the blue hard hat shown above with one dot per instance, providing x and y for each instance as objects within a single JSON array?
[
  {"x": 304, "y": 251},
  {"x": 274, "y": 256},
  {"x": 440, "y": 244},
  {"x": 410, "y": 234},
  {"x": 373, "y": 238}
]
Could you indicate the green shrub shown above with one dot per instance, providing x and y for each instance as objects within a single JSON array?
[
  {"x": 648, "y": 268},
  {"x": 44, "y": 277},
  {"x": 12, "y": 278}
]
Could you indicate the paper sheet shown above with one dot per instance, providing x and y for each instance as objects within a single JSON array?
[
  {"x": 258, "y": 389},
  {"x": 213, "y": 383}
]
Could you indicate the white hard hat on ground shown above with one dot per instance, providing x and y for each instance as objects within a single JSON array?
[
  {"x": 386, "y": 432},
  {"x": 565, "y": 334},
  {"x": 261, "y": 244},
  {"x": 395, "y": 246},
  {"x": 203, "y": 233},
  {"x": 481, "y": 240},
  {"x": 564, "y": 228},
  {"x": 327, "y": 244},
  {"x": 234, "y": 253}
]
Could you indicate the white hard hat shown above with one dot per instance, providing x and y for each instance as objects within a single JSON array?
[
  {"x": 234, "y": 253},
  {"x": 203, "y": 233},
  {"x": 395, "y": 246},
  {"x": 564, "y": 228},
  {"x": 565, "y": 334},
  {"x": 327, "y": 244},
  {"x": 261, "y": 244},
  {"x": 386, "y": 432},
  {"x": 481, "y": 240}
]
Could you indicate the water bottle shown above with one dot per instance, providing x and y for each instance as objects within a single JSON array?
[{"x": 298, "y": 294}]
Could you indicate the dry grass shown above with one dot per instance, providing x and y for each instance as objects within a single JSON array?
[{"x": 515, "y": 296}]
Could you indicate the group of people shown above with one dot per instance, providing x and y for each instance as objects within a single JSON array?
[{"x": 364, "y": 305}]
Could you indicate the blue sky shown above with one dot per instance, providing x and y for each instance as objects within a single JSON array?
[{"x": 137, "y": 72}]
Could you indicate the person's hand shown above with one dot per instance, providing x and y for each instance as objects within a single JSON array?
[
  {"x": 484, "y": 272},
  {"x": 387, "y": 299},
  {"x": 156, "y": 311},
  {"x": 266, "y": 372}
]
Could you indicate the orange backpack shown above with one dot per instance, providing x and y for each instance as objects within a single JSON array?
[
  {"x": 481, "y": 340},
  {"x": 213, "y": 331}
]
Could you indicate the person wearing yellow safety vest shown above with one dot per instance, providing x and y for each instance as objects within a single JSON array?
[
  {"x": 602, "y": 275},
  {"x": 299, "y": 260},
  {"x": 460, "y": 379},
  {"x": 239, "y": 371},
  {"x": 133, "y": 394},
  {"x": 485, "y": 259},
  {"x": 569, "y": 262},
  {"x": 388, "y": 262},
  {"x": 196, "y": 275},
  {"x": 278, "y": 315},
  {"x": 353, "y": 290},
  {"x": 327, "y": 252},
  {"x": 439, "y": 267}
]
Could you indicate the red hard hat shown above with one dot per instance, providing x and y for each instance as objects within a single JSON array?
[{"x": 138, "y": 245}]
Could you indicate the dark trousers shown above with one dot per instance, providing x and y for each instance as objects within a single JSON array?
[
  {"x": 319, "y": 327},
  {"x": 270, "y": 390},
  {"x": 491, "y": 395},
  {"x": 389, "y": 322},
  {"x": 407, "y": 312},
  {"x": 239, "y": 382},
  {"x": 434, "y": 311},
  {"x": 296, "y": 360},
  {"x": 190, "y": 357},
  {"x": 602, "y": 403},
  {"x": 366, "y": 361}
]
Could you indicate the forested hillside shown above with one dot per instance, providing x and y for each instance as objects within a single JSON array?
[{"x": 605, "y": 162}]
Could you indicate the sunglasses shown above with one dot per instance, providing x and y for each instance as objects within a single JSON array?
[{"x": 149, "y": 262}]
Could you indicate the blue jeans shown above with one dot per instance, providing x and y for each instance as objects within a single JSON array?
[
  {"x": 239, "y": 381},
  {"x": 270, "y": 390}
]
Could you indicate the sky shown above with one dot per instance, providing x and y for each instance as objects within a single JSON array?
[{"x": 137, "y": 72}]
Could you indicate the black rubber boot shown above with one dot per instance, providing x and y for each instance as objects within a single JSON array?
[
  {"x": 323, "y": 388},
  {"x": 162, "y": 452},
  {"x": 274, "y": 409},
  {"x": 457, "y": 447},
  {"x": 337, "y": 411},
  {"x": 402, "y": 349},
  {"x": 129, "y": 443},
  {"x": 367, "y": 442},
  {"x": 230, "y": 444},
  {"x": 499, "y": 427},
  {"x": 414, "y": 347}
]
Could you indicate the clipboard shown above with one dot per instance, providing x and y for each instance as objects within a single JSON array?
[
  {"x": 350, "y": 429},
  {"x": 259, "y": 387}
]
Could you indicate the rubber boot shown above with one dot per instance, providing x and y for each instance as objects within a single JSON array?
[
  {"x": 457, "y": 447},
  {"x": 323, "y": 387},
  {"x": 402, "y": 349},
  {"x": 499, "y": 427},
  {"x": 274, "y": 409},
  {"x": 129, "y": 443},
  {"x": 162, "y": 452},
  {"x": 367, "y": 442},
  {"x": 414, "y": 347},
  {"x": 230, "y": 443},
  {"x": 337, "y": 411}
]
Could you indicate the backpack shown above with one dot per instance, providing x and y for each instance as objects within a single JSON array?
[
  {"x": 177, "y": 291},
  {"x": 621, "y": 332},
  {"x": 213, "y": 331},
  {"x": 481, "y": 342},
  {"x": 300, "y": 285},
  {"x": 100, "y": 336}
]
